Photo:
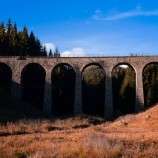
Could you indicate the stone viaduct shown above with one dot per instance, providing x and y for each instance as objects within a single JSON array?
[{"x": 79, "y": 63}]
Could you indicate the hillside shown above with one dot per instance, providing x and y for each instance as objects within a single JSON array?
[
  {"x": 12, "y": 108},
  {"x": 140, "y": 127},
  {"x": 80, "y": 137}
]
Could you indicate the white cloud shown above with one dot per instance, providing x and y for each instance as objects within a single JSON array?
[
  {"x": 50, "y": 46},
  {"x": 99, "y": 15},
  {"x": 135, "y": 13},
  {"x": 75, "y": 52}
]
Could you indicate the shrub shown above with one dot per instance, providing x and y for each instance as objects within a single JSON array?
[{"x": 18, "y": 154}]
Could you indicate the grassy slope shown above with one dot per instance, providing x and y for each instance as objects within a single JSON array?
[
  {"x": 12, "y": 108},
  {"x": 128, "y": 136}
]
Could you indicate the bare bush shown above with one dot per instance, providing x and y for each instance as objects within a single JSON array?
[{"x": 102, "y": 147}]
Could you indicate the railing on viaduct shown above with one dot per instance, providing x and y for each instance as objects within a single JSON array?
[{"x": 138, "y": 63}]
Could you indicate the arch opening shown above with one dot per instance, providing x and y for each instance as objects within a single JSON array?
[
  {"x": 33, "y": 84},
  {"x": 5, "y": 77},
  {"x": 150, "y": 84},
  {"x": 124, "y": 89},
  {"x": 93, "y": 90},
  {"x": 63, "y": 89}
]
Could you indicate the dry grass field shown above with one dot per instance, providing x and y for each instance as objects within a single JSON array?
[{"x": 82, "y": 137}]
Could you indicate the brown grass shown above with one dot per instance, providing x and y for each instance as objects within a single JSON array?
[{"x": 79, "y": 137}]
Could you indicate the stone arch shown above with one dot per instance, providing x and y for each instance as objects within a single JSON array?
[
  {"x": 63, "y": 77},
  {"x": 93, "y": 89},
  {"x": 5, "y": 77},
  {"x": 83, "y": 67},
  {"x": 124, "y": 63},
  {"x": 33, "y": 84},
  {"x": 150, "y": 84},
  {"x": 123, "y": 89}
]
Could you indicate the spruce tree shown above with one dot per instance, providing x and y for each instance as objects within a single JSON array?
[
  {"x": 3, "y": 40},
  {"x": 56, "y": 53},
  {"x": 8, "y": 37},
  {"x": 23, "y": 43},
  {"x": 44, "y": 52},
  {"x": 14, "y": 41},
  {"x": 32, "y": 45},
  {"x": 50, "y": 53},
  {"x": 38, "y": 48},
  {"x": 9, "y": 26}
]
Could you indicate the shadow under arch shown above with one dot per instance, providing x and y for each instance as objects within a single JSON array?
[
  {"x": 5, "y": 77},
  {"x": 63, "y": 79},
  {"x": 33, "y": 84},
  {"x": 123, "y": 89},
  {"x": 150, "y": 84},
  {"x": 93, "y": 89}
]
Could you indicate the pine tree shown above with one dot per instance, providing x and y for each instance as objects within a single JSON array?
[
  {"x": 14, "y": 40},
  {"x": 44, "y": 51},
  {"x": 50, "y": 53},
  {"x": 23, "y": 42},
  {"x": 38, "y": 48},
  {"x": 3, "y": 40},
  {"x": 32, "y": 44},
  {"x": 9, "y": 26},
  {"x": 8, "y": 37},
  {"x": 56, "y": 53}
]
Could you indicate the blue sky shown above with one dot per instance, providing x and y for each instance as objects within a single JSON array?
[{"x": 89, "y": 27}]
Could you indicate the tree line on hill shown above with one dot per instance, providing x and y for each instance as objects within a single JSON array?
[
  {"x": 150, "y": 80},
  {"x": 124, "y": 83},
  {"x": 93, "y": 90},
  {"x": 20, "y": 43},
  {"x": 123, "y": 88},
  {"x": 124, "y": 92}
]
